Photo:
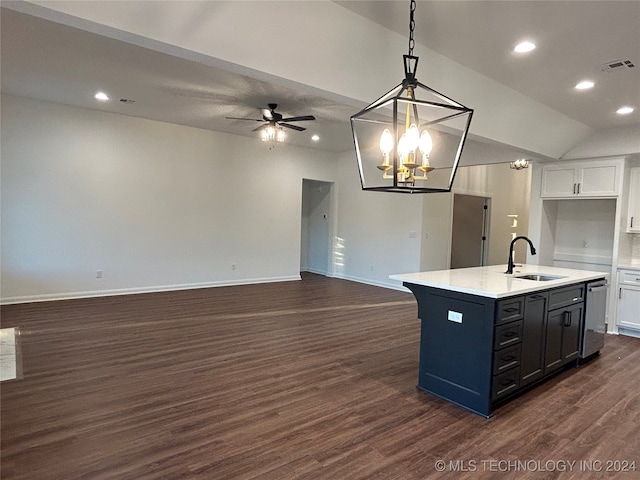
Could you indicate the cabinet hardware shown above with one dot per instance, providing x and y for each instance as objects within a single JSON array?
[
  {"x": 577, "y": 299},
  {"x": 508, "y": 365},
  {"x": 620, "y": 294},
  {"x": 567, "y": 319},
  {"x": 578, "y": 189},
  {"x": 631, "y": 222},
  {"x": 599, "y": 289},
  {"x": 512, "y": 309},
  {"x": 574, "y": 188}
]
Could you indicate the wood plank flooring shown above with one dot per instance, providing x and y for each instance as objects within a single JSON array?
[{"x": 312, "y": 379}]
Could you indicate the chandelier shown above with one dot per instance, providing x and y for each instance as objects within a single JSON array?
[
  {"x": 410, "y": 140},
  {"x": 519, "y": 164}
]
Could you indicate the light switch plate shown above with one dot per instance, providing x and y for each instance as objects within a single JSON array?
[{"x": 455, "y": 316}]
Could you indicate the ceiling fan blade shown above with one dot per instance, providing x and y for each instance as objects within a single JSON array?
[
  {"x": 299, "y": 119},
  {"x": 251, "y": 119},
  {"x": 292, "y": 127},
  {"x": 261, "y": 127}
]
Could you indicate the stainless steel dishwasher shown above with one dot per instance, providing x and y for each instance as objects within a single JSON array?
[{"x": 595, "y": 325}]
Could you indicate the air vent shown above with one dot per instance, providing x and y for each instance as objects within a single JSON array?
[
  {"x": 127, "y": 100},
  {"x": 617, "y": 65}
]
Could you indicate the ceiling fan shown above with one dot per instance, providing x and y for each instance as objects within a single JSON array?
[{"x": 273, "y": 122}]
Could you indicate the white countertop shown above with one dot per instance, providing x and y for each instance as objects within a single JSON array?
[{"x": 494, "y": 283}]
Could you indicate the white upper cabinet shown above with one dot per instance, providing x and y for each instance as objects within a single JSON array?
[
  {"x": 633, "y": 217},
  {"x": 593, "y": 178}
]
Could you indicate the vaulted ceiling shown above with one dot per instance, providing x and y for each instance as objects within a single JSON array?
[{"x": 196, "y": 63}]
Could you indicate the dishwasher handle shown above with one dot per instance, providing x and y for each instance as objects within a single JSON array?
[{"x": 599, "y": 288}]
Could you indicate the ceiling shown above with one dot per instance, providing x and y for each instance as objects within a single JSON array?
[
  {"x": 574, "y": 39},
  {"x": 54, "y": 62},
  {"x": 50, "y": 61}
]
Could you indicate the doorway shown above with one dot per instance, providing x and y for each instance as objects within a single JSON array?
[
  {"x": 469, "y": 231},
  {"x": 316, "y": 227}
]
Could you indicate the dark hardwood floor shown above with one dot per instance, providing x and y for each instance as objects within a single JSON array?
[{"x": 312, "y": 379}]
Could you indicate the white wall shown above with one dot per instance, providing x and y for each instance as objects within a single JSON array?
[
  {"x": 378, "y": 233},
  {"x": 509, "y": 191},
  {"x": 152, "y": 205},
  {"x": 609, "y": 142},
  {"x": 159, "y": 206}
]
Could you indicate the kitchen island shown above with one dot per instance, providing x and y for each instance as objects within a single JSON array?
[{"x": 487, "y": 336}]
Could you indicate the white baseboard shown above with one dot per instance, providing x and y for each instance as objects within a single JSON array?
[
  {"x": 317, "y": 271},
  {"x": 373, "y": 282},
  {"x": 49, "y": 297},
  {"x": 630, "y": 332}
]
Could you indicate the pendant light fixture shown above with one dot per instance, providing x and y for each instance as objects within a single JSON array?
[
  {"x": 410, "y": 140},
  {"x": 519, "y": 164}
]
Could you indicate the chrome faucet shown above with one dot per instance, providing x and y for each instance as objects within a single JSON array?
[{"x": 510, "y": 264}]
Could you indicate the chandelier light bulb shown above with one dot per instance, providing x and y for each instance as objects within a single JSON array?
[
  {"x": 426, "y": 143},
  {"x": 386, "y": 142},
  {"x": 280, "y": 136},
  {"x": 413, "y": 137},
  {"x": 403, "y": 146}
]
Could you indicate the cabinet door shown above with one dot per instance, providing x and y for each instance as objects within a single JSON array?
[
  {"x": 599, "y": 180},
  {"x": 553, "y": 344},
  {"x": 558, "y": 181},
  {"x": 533, "y": 338},
  {"x": 571, "y": 333},
  {"x": 628, "y": 307},
  {"x": 563, "y": 336},
  {"x": 633, "y": 217}
]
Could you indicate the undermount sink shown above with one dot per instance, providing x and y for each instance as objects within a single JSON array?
[{"x": 539, "y": 277}]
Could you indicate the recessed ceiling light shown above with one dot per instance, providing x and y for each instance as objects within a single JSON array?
[
  {"x": 585, "y": 85},
  {"x": 315, "y": 138},
  {"x": 626, "y": 110},
  {"x": 524, "y": 47},
  {"x": 103, "y": 97}
]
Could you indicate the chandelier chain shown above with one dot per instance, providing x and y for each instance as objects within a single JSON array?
[{"x": 412, "y": 25}]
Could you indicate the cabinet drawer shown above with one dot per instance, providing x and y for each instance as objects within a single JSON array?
[
  {"x": 505, "y": 383},
  {"x": 506, "y": 359},
  {"x": 508, "y": 335},
  {"x": 510, "y": 309},
  {"x": 630, "y": 277},
  {"x": 563, "y": 297}
]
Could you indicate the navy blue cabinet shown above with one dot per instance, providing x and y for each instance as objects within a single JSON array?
[{"x": 479, "y": 352}]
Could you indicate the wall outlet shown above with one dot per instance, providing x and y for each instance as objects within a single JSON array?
[
  {"x": 454, "y": 316},
  {"x": 234, "y": 266},
  {"x": 98, "y": 273}
]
